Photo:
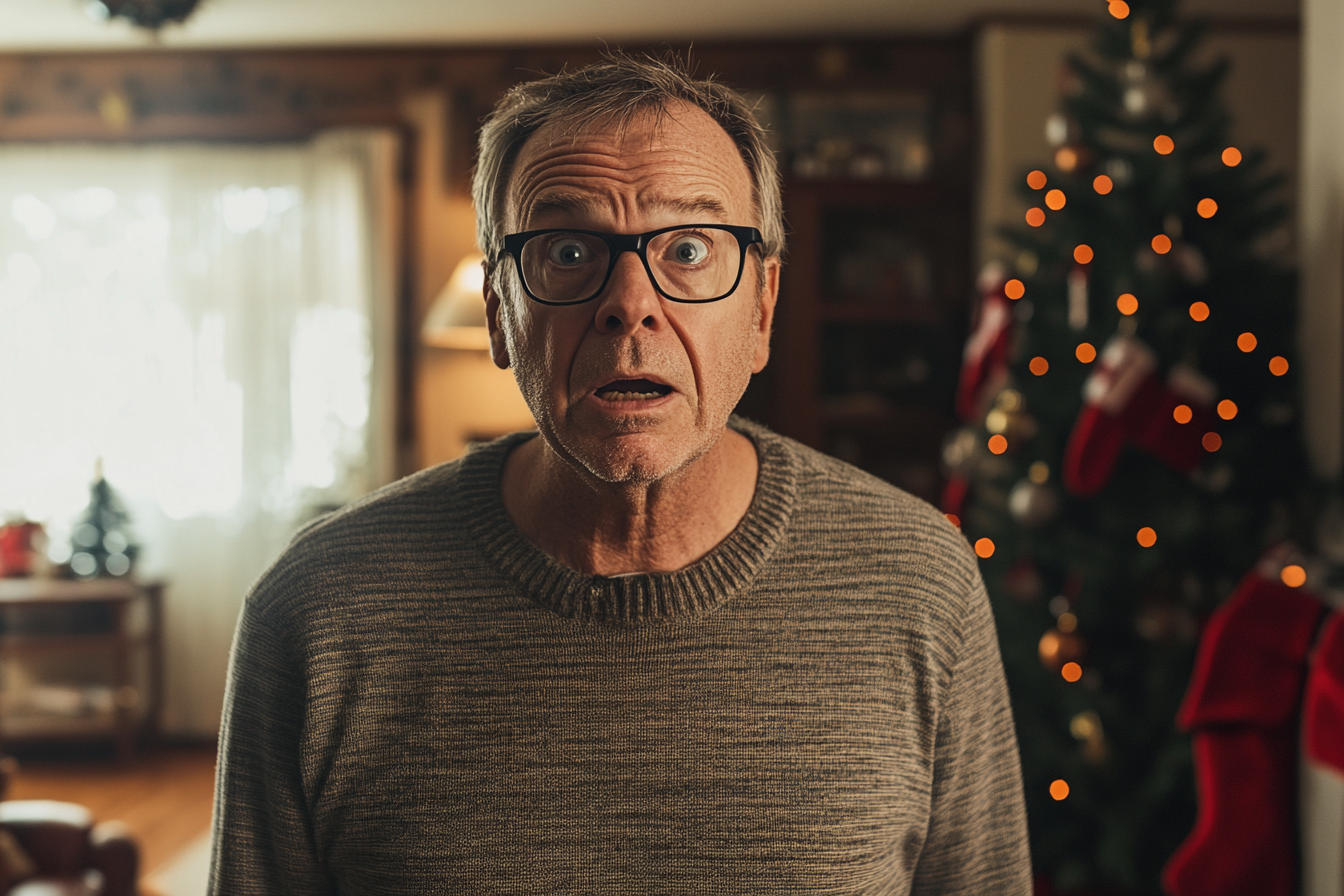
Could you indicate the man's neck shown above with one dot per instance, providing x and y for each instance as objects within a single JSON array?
[{"x": 609, "y": 529}]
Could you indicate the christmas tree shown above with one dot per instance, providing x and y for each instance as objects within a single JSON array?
[
  {"x": 1132, "y": 443},
  {"x": 101, "y": 543}
]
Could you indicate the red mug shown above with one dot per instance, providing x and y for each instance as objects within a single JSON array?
[{"x": 16, "y": 548}]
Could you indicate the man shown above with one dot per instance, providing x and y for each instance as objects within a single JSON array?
[{"x": 653, "y": 648}]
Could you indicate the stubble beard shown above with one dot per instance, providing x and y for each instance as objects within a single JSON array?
[{"x": 619, "y": 461}]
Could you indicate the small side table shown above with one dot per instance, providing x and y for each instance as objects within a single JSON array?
[{"x": 118, "y": 619}]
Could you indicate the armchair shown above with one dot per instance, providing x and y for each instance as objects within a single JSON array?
[{"x": 50, "y": 848}]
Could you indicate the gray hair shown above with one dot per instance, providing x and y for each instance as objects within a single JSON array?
[{"x": 618, "y": 88}]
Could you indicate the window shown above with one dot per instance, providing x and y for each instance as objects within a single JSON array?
[{"x": 213, "y": 324}]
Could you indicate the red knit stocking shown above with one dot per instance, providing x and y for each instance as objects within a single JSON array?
[
  {"x": 1126, "y": 402},
  {"x": 984, "y": 365},
  {"x": 1242, "y": 707}
]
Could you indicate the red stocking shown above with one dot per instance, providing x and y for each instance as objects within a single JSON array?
[
  {"x": 1242, "y": 707},
  {"x": 1125, "y": 402},
  {"x": 984, "y": 366}
]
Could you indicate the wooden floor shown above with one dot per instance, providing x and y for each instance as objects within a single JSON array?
[{"x": 165, "y": 796}]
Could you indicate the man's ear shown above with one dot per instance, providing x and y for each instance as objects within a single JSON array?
[
  {"x": 499, "y": 351},
  {"x": 766, "y": 304}
]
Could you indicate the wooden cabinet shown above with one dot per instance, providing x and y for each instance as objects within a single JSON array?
[
  {"x": 80, "y": 660},
  {"x": 877, "y": 284}
]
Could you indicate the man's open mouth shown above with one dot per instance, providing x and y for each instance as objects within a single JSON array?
[{"x": 632, "y": 390}]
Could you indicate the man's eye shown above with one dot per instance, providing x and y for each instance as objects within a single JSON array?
[
  {"x": 688, "y": 250},
  {"x": 570, "y": 252}
]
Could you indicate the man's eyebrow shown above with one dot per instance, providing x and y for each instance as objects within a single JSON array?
[
  {"x": 562, "y": 202},
  {"x": 583, "y": 202}
]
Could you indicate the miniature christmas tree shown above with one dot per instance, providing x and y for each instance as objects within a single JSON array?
[
  {"x": 1131, "y": 445},
  {"x": 102, "y": 545}
]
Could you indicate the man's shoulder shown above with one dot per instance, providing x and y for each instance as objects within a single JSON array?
[
  {"x": 830, "y": 485},
  {"x": 381, "y": 536},
  {"x": 856, "y": 514}
]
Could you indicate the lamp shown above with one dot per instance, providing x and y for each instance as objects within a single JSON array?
[
  {"x": 457, "y": 318},
  {"x": 150, "y": 14}
]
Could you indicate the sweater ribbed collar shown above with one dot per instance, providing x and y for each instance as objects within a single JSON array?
[{"x": 643, "y": 597}]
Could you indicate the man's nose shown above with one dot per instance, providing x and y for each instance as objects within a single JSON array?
[{"x": 629, "y": 300}]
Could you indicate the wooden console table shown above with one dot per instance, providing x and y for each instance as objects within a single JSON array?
[{"x": 119, "y": 620}]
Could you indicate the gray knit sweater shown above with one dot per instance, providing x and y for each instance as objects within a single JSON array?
[{"x": 422, "y": 702}]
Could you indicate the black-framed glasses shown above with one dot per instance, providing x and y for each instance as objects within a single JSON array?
[{"x": 687, "y": 263}]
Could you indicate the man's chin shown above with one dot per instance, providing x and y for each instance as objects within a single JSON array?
[{"x": 636, "y": 459}]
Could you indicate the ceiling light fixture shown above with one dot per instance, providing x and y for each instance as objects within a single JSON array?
[{"x": 150, "y": 14}]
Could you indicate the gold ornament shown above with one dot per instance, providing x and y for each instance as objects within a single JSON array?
[
  {"x": 1086, "y": 728},
  {"x": 1032, "y": 504},
  {"x": 1057, "y": 648}
]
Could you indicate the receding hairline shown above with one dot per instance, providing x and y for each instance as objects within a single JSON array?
[{"x": 617, "y": 89}]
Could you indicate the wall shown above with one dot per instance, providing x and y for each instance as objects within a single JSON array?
[
  {"x": 1321, "y": 225},
  {"x": 1321, "y": 229},
  {"x": 460, "y": 396}
]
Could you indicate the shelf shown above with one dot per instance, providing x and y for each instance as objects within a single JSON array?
[
  {"x": 21, "y": 644},
  {"x": 871, "y": 415},
  {"x": 45, "y": 592},
  {"x": 877, "y": 312},
  {"x": 54, "y": 625},
  {"x": 41, "y": 726},
  {"x": 850, "y": 192}
]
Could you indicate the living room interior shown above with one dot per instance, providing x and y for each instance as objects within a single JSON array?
[{"x": 240, "y": 288}]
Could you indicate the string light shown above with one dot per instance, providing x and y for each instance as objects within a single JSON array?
[
  {"x": 1071, "y": 672},
  {"x": 1066, "y": 158},
  {"x": 1147, "y": 537},
  {"x": 1231, "y": 157},
  {"x": 1039, "y": 472},
  {"x": 1247, "y": 342},
  {"x": 1227, "y": 409},
  {"x": 1036, "y": 179},
  {"x": 1119, "y": 9},
  {"x": 1182, "y": 414},
  {"x": 1038, "y": 366},
  {"x": 1206, "y": 208},
  {"x": 1211, "y": 441},
  {"x": 1054, "y": 200},
  {"x": 997, "y": 444},
  {"x": 1278, "y": 365},
  {"x": 1163, "y": 144},
  {"x": 1066, "y": 623},
  {"x": 1293, "y": 576},
  {"x": 1102, "y": 184},
  {"x": 1035, "y": 217},
  {"x": 1161, "y": 244},
  {"x": 1014, "y": 289},
  {"x": 1127, "y": 303},
  {"x": 1199, "y": 311},
  {"x": 1059, "y": 789},
  {"x": 1086, "y": 353},
  {"x": 1082, "y": 253},
  {"x": 953, "y": 519},
  {"x": 984, "y": 548}
]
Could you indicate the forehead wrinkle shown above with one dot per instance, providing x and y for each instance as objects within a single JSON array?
[
  {"x": 690, "y": 206},
  {"x": 612, "y": 170}
]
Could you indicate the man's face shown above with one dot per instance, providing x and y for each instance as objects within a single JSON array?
[{"x": 589, "y": 372}]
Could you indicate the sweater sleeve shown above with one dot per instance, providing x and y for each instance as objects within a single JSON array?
[
  {"x": 262, "y": 834},
  {"x": 977, "y": 835}
]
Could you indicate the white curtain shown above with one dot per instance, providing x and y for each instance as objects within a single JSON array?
[{"x": 215, "y": 323}]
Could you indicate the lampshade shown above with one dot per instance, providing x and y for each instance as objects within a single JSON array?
[{"x": 457, "y": 319}]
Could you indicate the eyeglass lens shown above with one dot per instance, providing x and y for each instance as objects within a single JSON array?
[{"x": 696, "y": 264}]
